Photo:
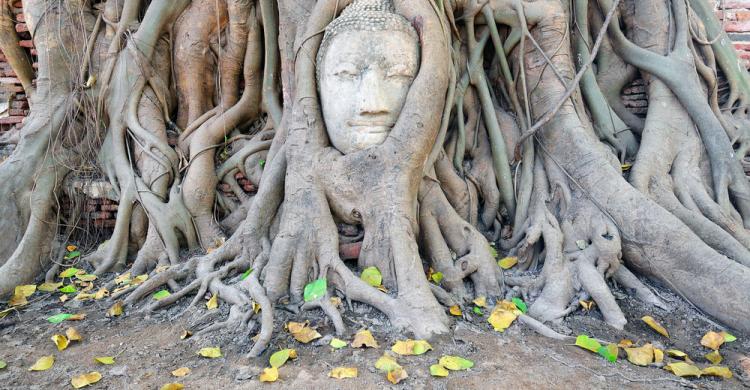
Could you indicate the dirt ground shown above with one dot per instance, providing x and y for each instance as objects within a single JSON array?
[{"x": 147, "y": 347}]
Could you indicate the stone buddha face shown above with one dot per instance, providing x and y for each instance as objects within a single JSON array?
[{"x": 365, "y": 69}]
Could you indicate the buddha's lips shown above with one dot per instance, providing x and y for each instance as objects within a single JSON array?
[{"x": 356, "y": 123}]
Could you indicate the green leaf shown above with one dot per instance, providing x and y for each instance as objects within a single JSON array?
[
  {"x": 246, "y": 274},
  {"x": 478, "y": 311},
  {"x": 69, "y": 289},
  {"x": 161, "y": 294},
  {"x": 280, "y": 357},
  {"x": 520, "y": 304},
  {"x": 493, "y": 251},
  {"x": 72, "y": 255},
  {"x": 3, "y": 364},
  {"x": 315, "y": 289},
  {"x": 337, "y": 343},
  {"x": 455, "y": 363},
  {"x": 609, "y": 352},
  {"x": 587, "y": 342},
  {"x": 437, "y": 277},
  {"x": 372, "y": 276},
  {"x": 58, "y": 318},
  {"x": 69, "y": 273},
  {"x": 438, "y": 370},
  {"x": 728, "y": 338},
  {"x": 262, "y": 163}
]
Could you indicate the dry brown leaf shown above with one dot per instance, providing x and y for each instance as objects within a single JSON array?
[
  {"x": 180, "y": 372},
  {"x": 397, "y": 375},
  {"x": 77, "y": 317},
  {"x": 712, "y": 340},
  {"x": 302, "y": 332},
  {"x": 650, "y": 321},
  {"x": 73, "y": 335},
  {"x": 364, "y": 338},
  {"x": 115, "y": 310}
]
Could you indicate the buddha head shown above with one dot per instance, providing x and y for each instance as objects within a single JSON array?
[{"x": 367, "y": 61}]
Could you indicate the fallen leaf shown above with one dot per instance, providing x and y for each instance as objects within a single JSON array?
[
  {"x": 213, "y": 302},
  {"x": 728, "y": 338},
  {"x": 107, "y": 360},
  {"x": 508, "y": 262},
  {"x": 139, "y": 279},
  {"x": 683, "y": 369},
  {"x": 3, "y": 364},
  {"x": 477, "y": 310},
  {"x": 396, "y": 375},
  {"x": 69, "y": 289},
  {"x": 63, "y": 298},
  {"x": 717, "y": 371},
  {"x": 364, "y": 338},
  {"x": 269, "y": 374},
  {"x": 49, "y": 287},
  {"x": 72, "y": 255},
  {"x": 480, "y": 301},
  {"x": 280, "y": 357},
  {"x": 60, "y": 341},
  {"x": 438, "y": 370},
  {"x": 437, "y": 277},
  {"x": 256, "y": 307},
  {"x": 180, "y": 372},
  {"x": 246, "y": 274},
  {"x": 185, "y": 334},
  {"x": 386, "y": 363},
  {"x": 609, "y": 352},
  {"x": 17, "y": 300},
  {"x": 210, "y": 352},
  {"x": 712, "y": 340},
  {"x": 302, "y": 332},
  {"x": 493, "y": 251},
  {"x": 501, "y": 317},
  {"x": 25, "y": 290},
  {"x": 115, "y": 310},
  {"x": 411, "y": 347},
  {"x": 587, "y": 305},
  {"x": 455, "y": 310},
  {"x": 123, "y": 278},
  {"x": 581, "y": 244},
  {"x": 161, "y": 294},
  {"x": 714, "y": 357},
  {"x": 43, "y": 363},
  {"x": 58, "y": 318},
  {"x": 675, "y": 353},
  {"x": 315, "y": 290},
  {"x": 372, "y": 276},
  {"x": 641, "y": 356},
  {"x": 658, "y": 355},
  {"x": 69, "y": 273},
  {"x": 86, "y": 379},
  {"x": 86, "y": 277},
  {"x": 626, "y": 166},
  {"x": 650, "y": 321},
  {"x": 71, "y": 248},
  {"x": 588, "y": 343},
  {"x": 343, "y": 372},
  {"x": 455, "y": 363},
  {"x": 625, "y": 343},
  {"x": 102, "y": 293},
  {"x": 173, "y": 386},
  {"x": 161, "y": 269},
  {"x": 337, "y": 343},
  {"x": 520, "y": 304},
  {"x": 77, "y": 317}
]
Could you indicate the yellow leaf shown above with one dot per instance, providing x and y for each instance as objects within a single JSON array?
[
  {"x": 302, "y": 332},
  {"x": 587, "y": 305},
  {"x": 213, "y": 303},
  {"x": 107, "y": 360},
  {"x": 182, "y": 371},
  {"x": 71, "y": 248},
  {"x": 641, "y": 356},
  {"x": 269, "y": 374},
  {"x": 364, "y": 338},
  {"x": 626, "y": 166},
  {"x": 386, "y": 363},
  {"x": 86, "y": 379},
  {"x": 64, "y": 297},
  {"x": 397, "y": 375},
  {"x": 411, "y": 347},
  {"x": 25, "y": 290},
  {"x": 714, "y": 357},
  {"x": 343, "y": 372},
  {"x": 256, "y": 308},
  {"x": 712, "y": 340},
  {"x": 60, "y": 341},
  {"x": 73, "y": 335},
  {"x": 658, "y": 355},
  {"x": 501, "y": 318},
  {"x": 650, "y": 321},
  {"x": 278, "y": 358},
  {"x": 481, "y": 301},
  {"x": 44, "y": 363},
  {"x": 210, "y": 352},
  {"x": 139, "y": 279},
  {"x": 456, "y": 311},
  {"x": 123, "y": 279},
  {"x": 86, "y": 277},
  {"x": 438, "y": 370},
  {"x": 173, "y": 386},
  {"x": 508, "y": 262},
  {"x": 115, "y": 310},
  {"x": 676, "y": 353},
  {"x": 103, "y": 292},
  {"x": 49, "y": 287},
  {"x": 717, "y": 371},
  {"x": 625, "y": 343},
  {"x": 683, "y": 369},
  {"x": 17, "y": 300},
  {"x": 455, "y": 363}
]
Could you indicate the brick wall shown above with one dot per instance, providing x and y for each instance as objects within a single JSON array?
[{"x": 735, "y": 15}]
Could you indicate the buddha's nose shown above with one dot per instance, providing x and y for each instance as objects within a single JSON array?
[{"x": 373, "y": 96}]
